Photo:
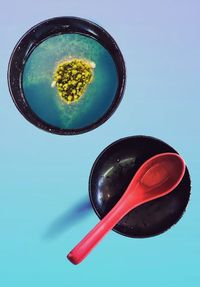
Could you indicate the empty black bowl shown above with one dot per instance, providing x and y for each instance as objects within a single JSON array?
[
  {"x": 33, "y": 64},
  {"x": 113, "y": 171}
]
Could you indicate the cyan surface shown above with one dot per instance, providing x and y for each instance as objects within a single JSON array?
[{"x": 44, "y": 176}]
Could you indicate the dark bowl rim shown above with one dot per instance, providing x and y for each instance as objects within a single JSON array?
[{"x": 38, "y": 122}]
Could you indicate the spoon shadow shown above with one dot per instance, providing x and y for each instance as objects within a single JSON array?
[{"x": 68, "y": 219}]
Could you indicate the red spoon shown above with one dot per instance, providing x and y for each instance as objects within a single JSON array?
[{"x": 157, "y": 177}]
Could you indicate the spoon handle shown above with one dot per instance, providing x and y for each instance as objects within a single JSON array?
[{"x": 83, "y": 248}]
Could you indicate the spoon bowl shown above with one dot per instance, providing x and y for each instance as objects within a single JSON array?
[{"x": 157, "y": 177}]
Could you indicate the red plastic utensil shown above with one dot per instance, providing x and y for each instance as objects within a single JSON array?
[{"x": 157, "y": 177}]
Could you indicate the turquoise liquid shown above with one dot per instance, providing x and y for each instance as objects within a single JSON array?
[{"x": 44, "y": 100}]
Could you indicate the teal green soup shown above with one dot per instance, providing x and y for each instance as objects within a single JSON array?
[{"x": 44, "y": 100}]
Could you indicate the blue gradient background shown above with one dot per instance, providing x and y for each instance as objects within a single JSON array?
[{"x": 40, "y": 180}]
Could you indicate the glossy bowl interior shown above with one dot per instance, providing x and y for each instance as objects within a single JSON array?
[{"x": 111, "y": 174}]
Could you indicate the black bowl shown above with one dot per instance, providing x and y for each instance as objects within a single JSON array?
[
  {"x": 35, "y": 36},
  {"x": 113, "y": 171}
]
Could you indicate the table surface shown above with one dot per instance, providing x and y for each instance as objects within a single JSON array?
[{"x": 44, "y": 209}]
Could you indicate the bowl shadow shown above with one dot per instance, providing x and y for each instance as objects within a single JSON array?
[{"x": 68, "y": 219}]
